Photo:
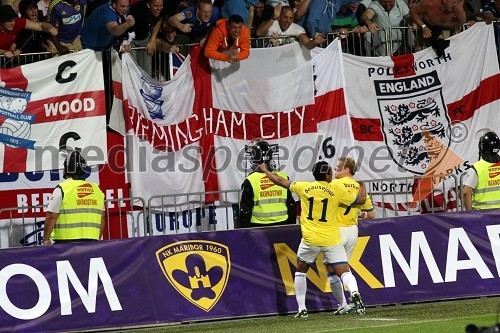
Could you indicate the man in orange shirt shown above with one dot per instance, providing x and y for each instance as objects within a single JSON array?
[{"x": 229, "y": 40}]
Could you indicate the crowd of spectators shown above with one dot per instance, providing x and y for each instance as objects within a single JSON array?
[{"x": 58, "y": 26}]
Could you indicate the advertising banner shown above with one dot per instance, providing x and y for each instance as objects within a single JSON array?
[{"x": 201, "y": 276}]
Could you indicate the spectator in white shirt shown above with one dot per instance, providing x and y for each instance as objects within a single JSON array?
[{"x": 284, "y": 26}]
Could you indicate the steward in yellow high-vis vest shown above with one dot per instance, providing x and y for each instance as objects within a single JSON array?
[
  {"x": 262, "y": 202},
  {"x": 75, "y": 212},
  {"x": 482, "y": 184}
]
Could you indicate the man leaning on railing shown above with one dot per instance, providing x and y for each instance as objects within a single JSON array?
[
  {"x": 11, "y": 25},
  {"x": 281, "y": 24}
]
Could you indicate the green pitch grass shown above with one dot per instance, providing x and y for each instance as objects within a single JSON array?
[{"x": 436, "y": 317}]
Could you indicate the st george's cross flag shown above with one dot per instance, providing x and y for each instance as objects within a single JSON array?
[
  {"x": 191, "y": 133},
  {"x": 417, "y": 115},
  {"x": 50, "y": 106}
]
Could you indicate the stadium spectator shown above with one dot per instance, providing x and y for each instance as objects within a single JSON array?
[
  {"x": 301, "y": 7},
  {"x": 194, "y": 23},
  {"x": 386, "y": 14},
  {"x": 284, "y": 26},
  {"x": 68, "y": 17},
  {"x": 259, "y": 13},
  {"x": 166, "y": 37},
  {"x": 106, "y": 23},
  {"x": 345, "y": 21},
  {"x": 175, "y": 6},
  {"x": 281, "y": 3},
  {"x": 147, "y": 15},
  {"x": 238, "y": 7},
  {"x": 320, "y": 202},
  {"x": 347, "y": 219},
  {"x": 30, "y": 41},
  {"x": 319, "y": 17},
  {"x": 229, "y": 40},
  {"x": 92, "y": 5},
  {"x": 43, "y": 5},
  {"x": 14, "y": 4},
  {"x": 10, "y": 27},
  {"x": 491, "y": 11},
  {"x": 433, "y": 16},
  {"x": 72, "y": 217},
  {"x": 257, "y": 207},
  {"x": 472, "y": 11},
  {"x": 164, "y": 44},
  {"x": 482, "y": 184},
  {"x": 345, "y": 18}
]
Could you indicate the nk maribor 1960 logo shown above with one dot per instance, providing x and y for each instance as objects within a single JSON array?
[
  {"x": 414, "y": 120},
  {"x": 197, "y": 269}
]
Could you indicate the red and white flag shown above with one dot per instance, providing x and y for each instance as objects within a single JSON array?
[
  {"x": 190, "y": 134},
  {"x": 417, "y": 115},
  {"x": 49, "y": 105}
]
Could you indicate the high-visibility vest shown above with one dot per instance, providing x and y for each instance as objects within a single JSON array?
[
  {"x": 269, "y": 200},
  {"x": 81, "y": 211},
  {"x": 486, "y": 195}
]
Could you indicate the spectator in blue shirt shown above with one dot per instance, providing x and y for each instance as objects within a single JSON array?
[
  {"x": 238, "y": 7},
  {"x": 106, "y": 22},
  {"x": 193, "y": 23},
  {"x": 320, "y": 15}
]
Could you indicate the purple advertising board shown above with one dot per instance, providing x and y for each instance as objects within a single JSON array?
[{"x": 201, "y": 276}]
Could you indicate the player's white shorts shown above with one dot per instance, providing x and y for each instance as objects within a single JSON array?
[
  {"x": 349, "y": 237},
  {"x": 334, "y": 254}
]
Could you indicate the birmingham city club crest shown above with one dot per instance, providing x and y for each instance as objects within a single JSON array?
[
  {"x": 15, "y": 130},
  {"x": 151, "y": 95},
  {"x": 197, "y": 269},
  {"x": 414, "y": 120}
]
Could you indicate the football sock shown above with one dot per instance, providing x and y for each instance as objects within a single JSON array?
[
  {"x": 300, "y": 283},
  {"x": 349, "y": 281},
  {"x": 337, "y": 289}
]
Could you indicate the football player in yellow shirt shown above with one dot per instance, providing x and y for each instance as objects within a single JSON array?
[
  {"x": 319, "y": 202},
  {"x": 347, "y": 219}
]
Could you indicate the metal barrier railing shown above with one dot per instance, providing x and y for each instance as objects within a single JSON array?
[
  {"x": 219, "y": 210},
  {"x": 23, "y": 59},
  {"x": 126, "y": 213},
  {"x": 192, "y": 212},
  {"x": 23, "y": 225},
  {"x": 415, "y": 195},
  {"x": 389, "y": 41}
]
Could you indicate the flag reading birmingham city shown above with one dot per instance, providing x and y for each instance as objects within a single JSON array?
[
  {"x": 48, "y": 106},
  {"x": 189, "y": 134},
  {"x": 416, "y": 116}
]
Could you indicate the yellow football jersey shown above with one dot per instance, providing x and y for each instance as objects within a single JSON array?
[
  {"x": 348, "y": 215},
  {"x": 319, "y": 202}
]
